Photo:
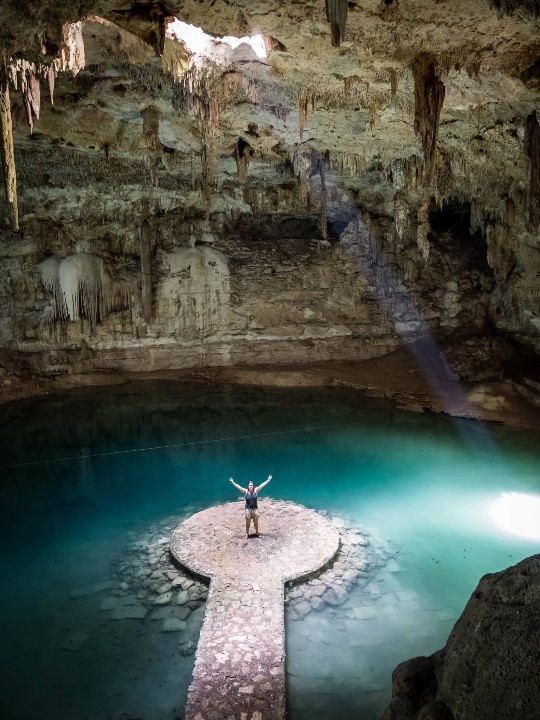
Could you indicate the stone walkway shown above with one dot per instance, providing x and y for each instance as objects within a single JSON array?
[{"x": 240, "y": 662}]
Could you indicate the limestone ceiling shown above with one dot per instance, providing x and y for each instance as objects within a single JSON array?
[{"x": 354, "y": 103}]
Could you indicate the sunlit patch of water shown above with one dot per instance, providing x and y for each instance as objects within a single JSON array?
[{"x": 517, "y": 514}]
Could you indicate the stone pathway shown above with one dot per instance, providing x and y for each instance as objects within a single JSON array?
[{"x": 240, "y": 662}]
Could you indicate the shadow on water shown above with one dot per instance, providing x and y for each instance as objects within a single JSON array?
[{"x": 413, "y": 480}]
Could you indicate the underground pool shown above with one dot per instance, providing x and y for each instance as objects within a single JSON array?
[{"x": 89, "y": 474}]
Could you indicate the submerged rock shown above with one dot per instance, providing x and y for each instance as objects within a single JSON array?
[
  {"x": 489, "y": 667},
  {"x": 163, "y": 599}
]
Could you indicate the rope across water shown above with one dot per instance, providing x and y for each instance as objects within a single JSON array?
[{"x": 172, "y": 445}]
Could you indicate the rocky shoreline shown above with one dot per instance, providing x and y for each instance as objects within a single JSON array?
[{"x": 394, "y": 377}]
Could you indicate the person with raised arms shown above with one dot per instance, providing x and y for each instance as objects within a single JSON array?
[{"x": 251, "y": 510}]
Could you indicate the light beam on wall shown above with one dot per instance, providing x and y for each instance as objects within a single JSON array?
[{"x": 517, "y": 514}]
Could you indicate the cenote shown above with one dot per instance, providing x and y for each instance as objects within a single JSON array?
[{"x": 85, "y": 471}]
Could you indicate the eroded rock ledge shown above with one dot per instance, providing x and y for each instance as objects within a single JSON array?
[
  {"x": 395, "y": 377},
  {"x": 489, "y": 667}
]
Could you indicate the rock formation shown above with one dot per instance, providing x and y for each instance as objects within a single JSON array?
[
  {"x": 254, "y": 181},
  {"x": 488, "y": 669}
]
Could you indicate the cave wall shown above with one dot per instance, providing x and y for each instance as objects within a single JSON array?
[
  {"x": 320, "y": 203},
  {"x": 240, "y": 298}
]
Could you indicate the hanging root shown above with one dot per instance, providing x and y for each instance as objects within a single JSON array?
[{"x": 8, "y": 155}]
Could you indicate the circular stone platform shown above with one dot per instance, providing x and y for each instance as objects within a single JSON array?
[
  {"x": 295, "y": 541},
  {"x": 240, "y": 661}
]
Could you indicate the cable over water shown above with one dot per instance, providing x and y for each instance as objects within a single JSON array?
[{"x": 172, "y": 445}]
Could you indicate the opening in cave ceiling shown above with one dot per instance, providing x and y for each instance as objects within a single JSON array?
[{"x": 200, "y": 43}]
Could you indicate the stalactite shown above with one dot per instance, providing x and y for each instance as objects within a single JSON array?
[
  {"x": 336, "y": 14},
  {"x": 429, "y": 94},
  {"x": 532, "y": 150},
  {"x": 372, "y": 116},
  {"x": 73, "y": 57},
  {"x": 443, "y": 177},
  {"x": 510, "y": 212},
  {"x": 82, "y": 285},
  {"x": 303, "y": 100},
  {"x": 150, "y": 116},
  {"x": 500, "y": 253},
  {"x": 31, "y": 92},
  {"x": 242, "y": 154},
  {"x": 393, "y": 82},
  {"x": 318, "y": 167},
  {"x": 26, "y": 75},
  {"x": 209, "y": 172},
  {"x": 146, "y": 270},
  {"x": 423, "y": 228},
  {"x": 302, "y": 164},
  {"x": 8, "y": 155},
  {"x": 509, "y": 7},
  {"x": 51, "y": 78},
  {"x": 193, "y": 171},
  {"x": 208, "y": 93}
]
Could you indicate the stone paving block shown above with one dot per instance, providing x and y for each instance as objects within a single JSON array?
[
  {"x": 363, "y": 633},
  {"x": 388, "y": 600},
  {"x": 433, "y": 603},
  {"x": 110, "y": 603},
  {"x": 303, "y": 607},
  {"x": 389, "y": 586},
  {"x": 372, "y": 704},
  {"x": 392, "y": 567},
  {"x": 129, "y": 612},
  {"x": 74, "y": 641},
  {"x": 365, "y": 612},
  {"x": 406, "y": 607},
  {"x": 181, "y": 598},
  {"x": 162, "y": 613},
  {"x": 405, "y": 595},
  {"x": 325, "y": 703},
  {"x": 91, "y": 589},
  {"x": 383, "y": 575},
  {"x": 448, "y": 613},
  {"x": 312, "y": 686},
  {"x": 370, "y": 683},
  {"x": 173, "y": 625}
]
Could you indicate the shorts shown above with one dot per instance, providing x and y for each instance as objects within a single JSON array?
[{"x": 252, "y": 513}]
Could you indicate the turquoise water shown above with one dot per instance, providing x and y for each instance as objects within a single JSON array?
[{"x": 423, "y": 485}]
